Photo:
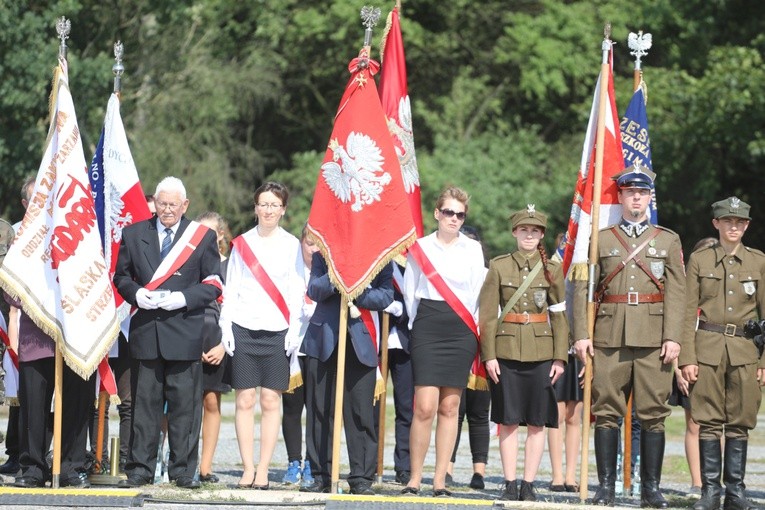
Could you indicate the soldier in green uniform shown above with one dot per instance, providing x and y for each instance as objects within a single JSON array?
[
  {"x": 638, "y": 328},
  {"x": 525, "y": 348},
  {"x": 725, "y": 288}
]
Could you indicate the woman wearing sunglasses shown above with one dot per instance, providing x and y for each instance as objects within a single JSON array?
[
  {"x": 443, "y": 278},
  {"x": 525, "y": 348}
]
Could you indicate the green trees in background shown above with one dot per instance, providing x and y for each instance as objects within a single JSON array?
[{"x": 225, "y": 94}]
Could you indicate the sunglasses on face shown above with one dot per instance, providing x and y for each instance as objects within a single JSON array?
[{"x": 449, "y": 213}]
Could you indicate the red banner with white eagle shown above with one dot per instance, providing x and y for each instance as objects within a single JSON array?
[
  {"x": 56, "y": 265},
  {"x": 394, "y": 97},
  {"x": 360, "y": 213}
]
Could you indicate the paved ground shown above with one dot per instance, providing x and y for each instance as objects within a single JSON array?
[{"x": 676, "y": 480}]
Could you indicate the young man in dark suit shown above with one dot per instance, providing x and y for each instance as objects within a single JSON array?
[
  {"x": 169, "y": 268},
  {"x": 320, "y": 347}
]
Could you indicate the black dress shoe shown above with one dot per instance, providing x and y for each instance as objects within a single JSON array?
[
  {"x": 316, "y": 486},
  {"x": 413, "y": 491},
  {"x": 261, "y": 487},
  {"x": 28, "y": 482},
  {"x": 186, "y": 482},
  {"x": 132, "y": 482},
  {"x": 10, "y": 466},
  {"x": 403, "y": 477},
  {"x": 442, "y": 493},
  {"x": 209, "y": 478},
  {"x": 79, "y": 480},
  {"x": 362, "y": 488}
]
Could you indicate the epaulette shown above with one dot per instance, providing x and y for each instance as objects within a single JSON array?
[
  {"x": 496, "y": 259},
  {"x": 666, "y": 230},
  {"x": 754, "y": 251}
]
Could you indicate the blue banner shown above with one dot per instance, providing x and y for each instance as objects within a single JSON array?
[
  {"x": 96, "y": 177},
  {"x": 636, "y": 145}
]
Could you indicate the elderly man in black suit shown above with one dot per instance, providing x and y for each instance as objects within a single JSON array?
[
  {"x": 169, "y": 268},
  {"x": 320, "y": 348}
]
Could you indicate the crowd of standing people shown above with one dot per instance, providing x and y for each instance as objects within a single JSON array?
[{"x": 259, "y": 313}]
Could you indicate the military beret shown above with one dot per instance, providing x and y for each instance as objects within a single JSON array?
[
  {"x": 636, "y": 176},
  {"x": 528, "y": 216},
  {"x": 731, "y": 207}
]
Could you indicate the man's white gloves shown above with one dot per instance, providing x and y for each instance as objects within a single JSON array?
[
  {"x": 143, "y": 299},
  {"x": 175, "y": 301},
  {"x": 396, "y": 308}
]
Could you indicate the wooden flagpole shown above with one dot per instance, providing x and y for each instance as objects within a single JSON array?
[
  {"x": 337, "y": 424},
  {"x": 63, "y": 27},
  {"x": 593, "y": 255},
  {"x": 369, "y": 16},
  {"x": 382, "y": 403},
  {"x": 117, "y": 69},
  {"x": 637, "y": 75},
  {"x": 640, "y": 45}
]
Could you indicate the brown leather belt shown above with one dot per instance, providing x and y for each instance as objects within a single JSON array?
[
  {"x": 727, "y": 330},
  {"x": 525, "y": 317},
  {"x": 633, "y": 298}
]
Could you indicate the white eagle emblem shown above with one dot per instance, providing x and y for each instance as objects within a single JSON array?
[
  {"x": 356, "y": 170},
  {"x": 403, "y": 141},
  {"x": 116, "y": 219}
]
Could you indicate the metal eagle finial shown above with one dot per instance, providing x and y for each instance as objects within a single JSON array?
[
  {"x": 63, "y": 27},
  {"x": 118, "y": 68},
  {"x": 605, "y": 46},
  {"x": 639, "y": 43},
  {"x": 369, "y": 18}
]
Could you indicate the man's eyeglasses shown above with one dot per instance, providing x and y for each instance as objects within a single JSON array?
[
  {"x": 166, "y": 205},
  {"x": 269, "y": 206},
  {"x": 449, "y": 213}
]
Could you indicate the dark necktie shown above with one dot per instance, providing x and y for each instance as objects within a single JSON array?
[{"x": 166, "y": 243}]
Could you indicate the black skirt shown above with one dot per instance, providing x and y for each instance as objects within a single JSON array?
[
  {"x": 442, "y": 346},
  {"x": 259, "y": 360},
  {"x": 524, "y": 395},
  {"x": 676, "y": 398},
  {"x": 567, "y": 386}
]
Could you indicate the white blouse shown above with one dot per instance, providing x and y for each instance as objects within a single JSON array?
[
  {"x": 245, "y": 302},
  {"x": 460, "y": 265}
]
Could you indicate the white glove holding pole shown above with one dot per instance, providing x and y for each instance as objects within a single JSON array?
[
  {"x": 396, "y": 308},
  {"x": 143, "y": 300}
]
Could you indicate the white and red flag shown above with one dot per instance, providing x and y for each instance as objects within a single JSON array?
[
  {"x": 119, "y": 201},
  {"x": 117, "y": 192},
  {"x": 394, "y": 97},
  {"x": 577, "y": 239},
  {"x": 56, "y": 265},
  {"x": 360, "y": 213}
]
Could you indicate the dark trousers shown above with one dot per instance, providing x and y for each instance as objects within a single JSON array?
[
  {"x": 36, "y": 383},
  {"x": 358, "y": 416},
  {"x": 400, "y": 365},
  {"x": 475, "y": 405},
  {"x": 12, "y": 433},
  {"x": 154, "y": 382},
  {"x": 121, "y": 368},
  {"x": 292, "y": 427}
]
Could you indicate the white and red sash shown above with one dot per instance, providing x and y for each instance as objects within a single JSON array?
[
  {"x": 260, "y": 274},
  {"x": 477, "y": 371},
  {"x": 178, "y": 255}
]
